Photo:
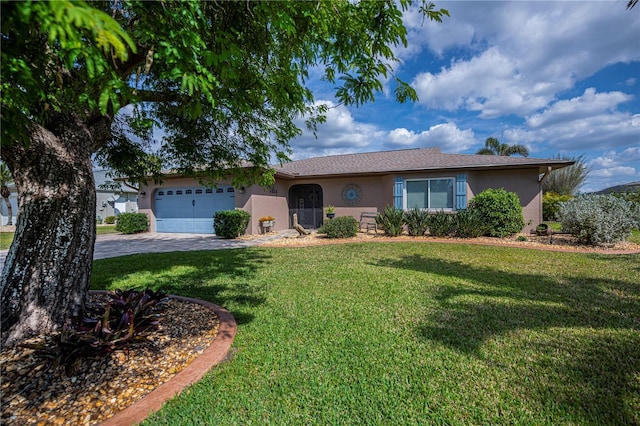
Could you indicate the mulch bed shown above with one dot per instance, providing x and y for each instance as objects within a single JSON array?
[{"x": 35, "y": 392}]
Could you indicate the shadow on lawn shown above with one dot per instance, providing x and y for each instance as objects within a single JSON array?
[
  {"x": 198, "y": 274},
  {"x": 568, "y": 341}
]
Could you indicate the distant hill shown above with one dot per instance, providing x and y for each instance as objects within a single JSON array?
[{"x": 627, "y": 187}]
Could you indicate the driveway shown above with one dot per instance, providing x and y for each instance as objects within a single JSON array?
[{"x": 114, "y": 245}]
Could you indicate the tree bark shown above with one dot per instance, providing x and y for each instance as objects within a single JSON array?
[{"x": 46, "y": 273}]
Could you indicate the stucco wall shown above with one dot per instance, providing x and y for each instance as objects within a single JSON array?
[
  {"x": 525, "y": 183},
  {"x": 376, "y": 194}
]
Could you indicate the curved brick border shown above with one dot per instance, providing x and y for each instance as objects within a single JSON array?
[{"x": 211, "y": 356}]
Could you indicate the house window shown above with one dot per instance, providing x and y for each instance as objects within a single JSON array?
[
  {"x": 169, "y": 192},
  {"x": 198, "y": 191},
  {"x": 188, "y": 191},
  {"x": 160, "y": 192},
  {"x": 208, "y": 191},
  {"x": 179, "y": 192},
  {"x": 434, "y": 194}
]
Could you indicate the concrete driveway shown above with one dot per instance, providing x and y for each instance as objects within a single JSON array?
[{"x": 114, "y": 245}]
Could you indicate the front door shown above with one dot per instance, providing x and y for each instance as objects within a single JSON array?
[{"x": 306, "y": 202}]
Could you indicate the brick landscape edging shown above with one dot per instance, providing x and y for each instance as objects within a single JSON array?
[{"x": 211, "y": 356}]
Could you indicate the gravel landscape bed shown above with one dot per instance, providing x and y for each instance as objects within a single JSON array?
[
  {"x": 34, "y": 392},
  {"x": 557, "y": 241}
]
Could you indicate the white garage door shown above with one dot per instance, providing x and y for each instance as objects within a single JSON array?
[{"x": 191, "y": 210}]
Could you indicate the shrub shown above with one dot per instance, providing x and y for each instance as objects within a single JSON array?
[
  {"x": 499, "y": 210},
  {"x": 417, "y": 221},
  {"x": 230, "y": 223},
  {"x": 551, "y": 205},
  {"x": 598, "y": 219},
  {"x": 131, "y": 223},
  {"x": 110, "y": 220},
  {"x": 340, "y": 227},
  {"x": 468, "y": 224},
  {"x": 440, "y": 224},
  {"x": 391, "y": 221},
  {"x": 634, "y": 198},
  {"x": 107, "y": 326}
]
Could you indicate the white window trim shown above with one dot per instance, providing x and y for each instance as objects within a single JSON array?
[{"x": 404, "y": 193}]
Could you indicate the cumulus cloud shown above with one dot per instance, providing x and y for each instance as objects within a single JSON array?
[
  {"x": 445, "y": 136},
  {"x": 526, "y": 53},
  {"x": 613, "y": 168},
  {"x": 588, "y": 105},
  {"x": 342, "y": 134}
]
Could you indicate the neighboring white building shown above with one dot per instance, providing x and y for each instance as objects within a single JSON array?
[
  {"x": 13, "y": 199},
  {"x": 113, "y": 198},
  {"x": 111, "y": 201}
]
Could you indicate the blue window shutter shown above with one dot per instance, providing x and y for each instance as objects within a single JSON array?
[
  {"x": 461, "y": 192},
  {"x": 398, "y": 188}
]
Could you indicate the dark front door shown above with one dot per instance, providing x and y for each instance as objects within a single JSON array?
[{"x": 306, "y": 202}]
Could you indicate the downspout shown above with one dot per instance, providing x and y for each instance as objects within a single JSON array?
[
  {"x": 542, "y": 179},
  {"x": 544, "y": 176}
]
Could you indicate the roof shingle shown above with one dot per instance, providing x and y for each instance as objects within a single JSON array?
[{"x": 407, "y": 160}]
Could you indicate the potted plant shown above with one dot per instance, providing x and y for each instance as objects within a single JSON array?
[
  {"x": 331, "y": 211},
  {"x": 543, "y": 229},
  {"x": 267, "y": 222}
]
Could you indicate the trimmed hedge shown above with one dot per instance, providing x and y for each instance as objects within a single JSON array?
[
  {"x": 230, "y": 223},
  {"x": 131, "y": 223},
  {"x": 499, "y": 210},
  {"x": 340, "y": 227}
]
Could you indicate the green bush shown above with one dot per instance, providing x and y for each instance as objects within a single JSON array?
[
  {"x": 391, "y": 221},
  {"x": 551, "y": 205},
  {"x": 417, "y": 221},
  {"x": 468, "y": 224},
  {"x": 499, "y": 210},
  {"x": 340, "y": 227},
  {"x": 110, "y": 220},
  {"x": 230, "y": 223},
  {"x": 131, "y": 223},
  {"x": 440, "y": 224},
  {"x": 598, "y": 219}
]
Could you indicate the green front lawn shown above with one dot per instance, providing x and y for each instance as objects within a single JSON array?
[{"x": 408, "y": 333}]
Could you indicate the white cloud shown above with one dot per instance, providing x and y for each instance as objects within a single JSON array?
[
  {"x": 613, "y": 168},
  {"x": 341, "y": 134},
  {"x": 526, "y": 53},
  {"x": 445, "y": 136},
  {"x": 588, "y": 105}
]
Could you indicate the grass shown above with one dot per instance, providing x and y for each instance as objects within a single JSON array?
[
  {"x": 408, "y": 333},
  {"x": 7, "y": 237}
]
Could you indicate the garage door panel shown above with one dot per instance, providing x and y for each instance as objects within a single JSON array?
[{"x": 190, "y": 210}]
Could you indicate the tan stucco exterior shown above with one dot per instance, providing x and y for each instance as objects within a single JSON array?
[{"x": 377, "y": 192}]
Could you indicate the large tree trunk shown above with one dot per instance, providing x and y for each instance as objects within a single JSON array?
[{"x": 46, "y": 274}]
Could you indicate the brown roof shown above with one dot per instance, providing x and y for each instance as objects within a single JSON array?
[{"x": 408, "y": 160}]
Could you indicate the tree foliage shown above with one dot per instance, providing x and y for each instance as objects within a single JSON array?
[
  {"x": 567, "y": 180},
  {"x": 492, "y": 146},
  {"x": 224, "y": 80}
]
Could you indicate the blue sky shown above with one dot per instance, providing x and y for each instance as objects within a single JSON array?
[{"x": 558, "y": 77}]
